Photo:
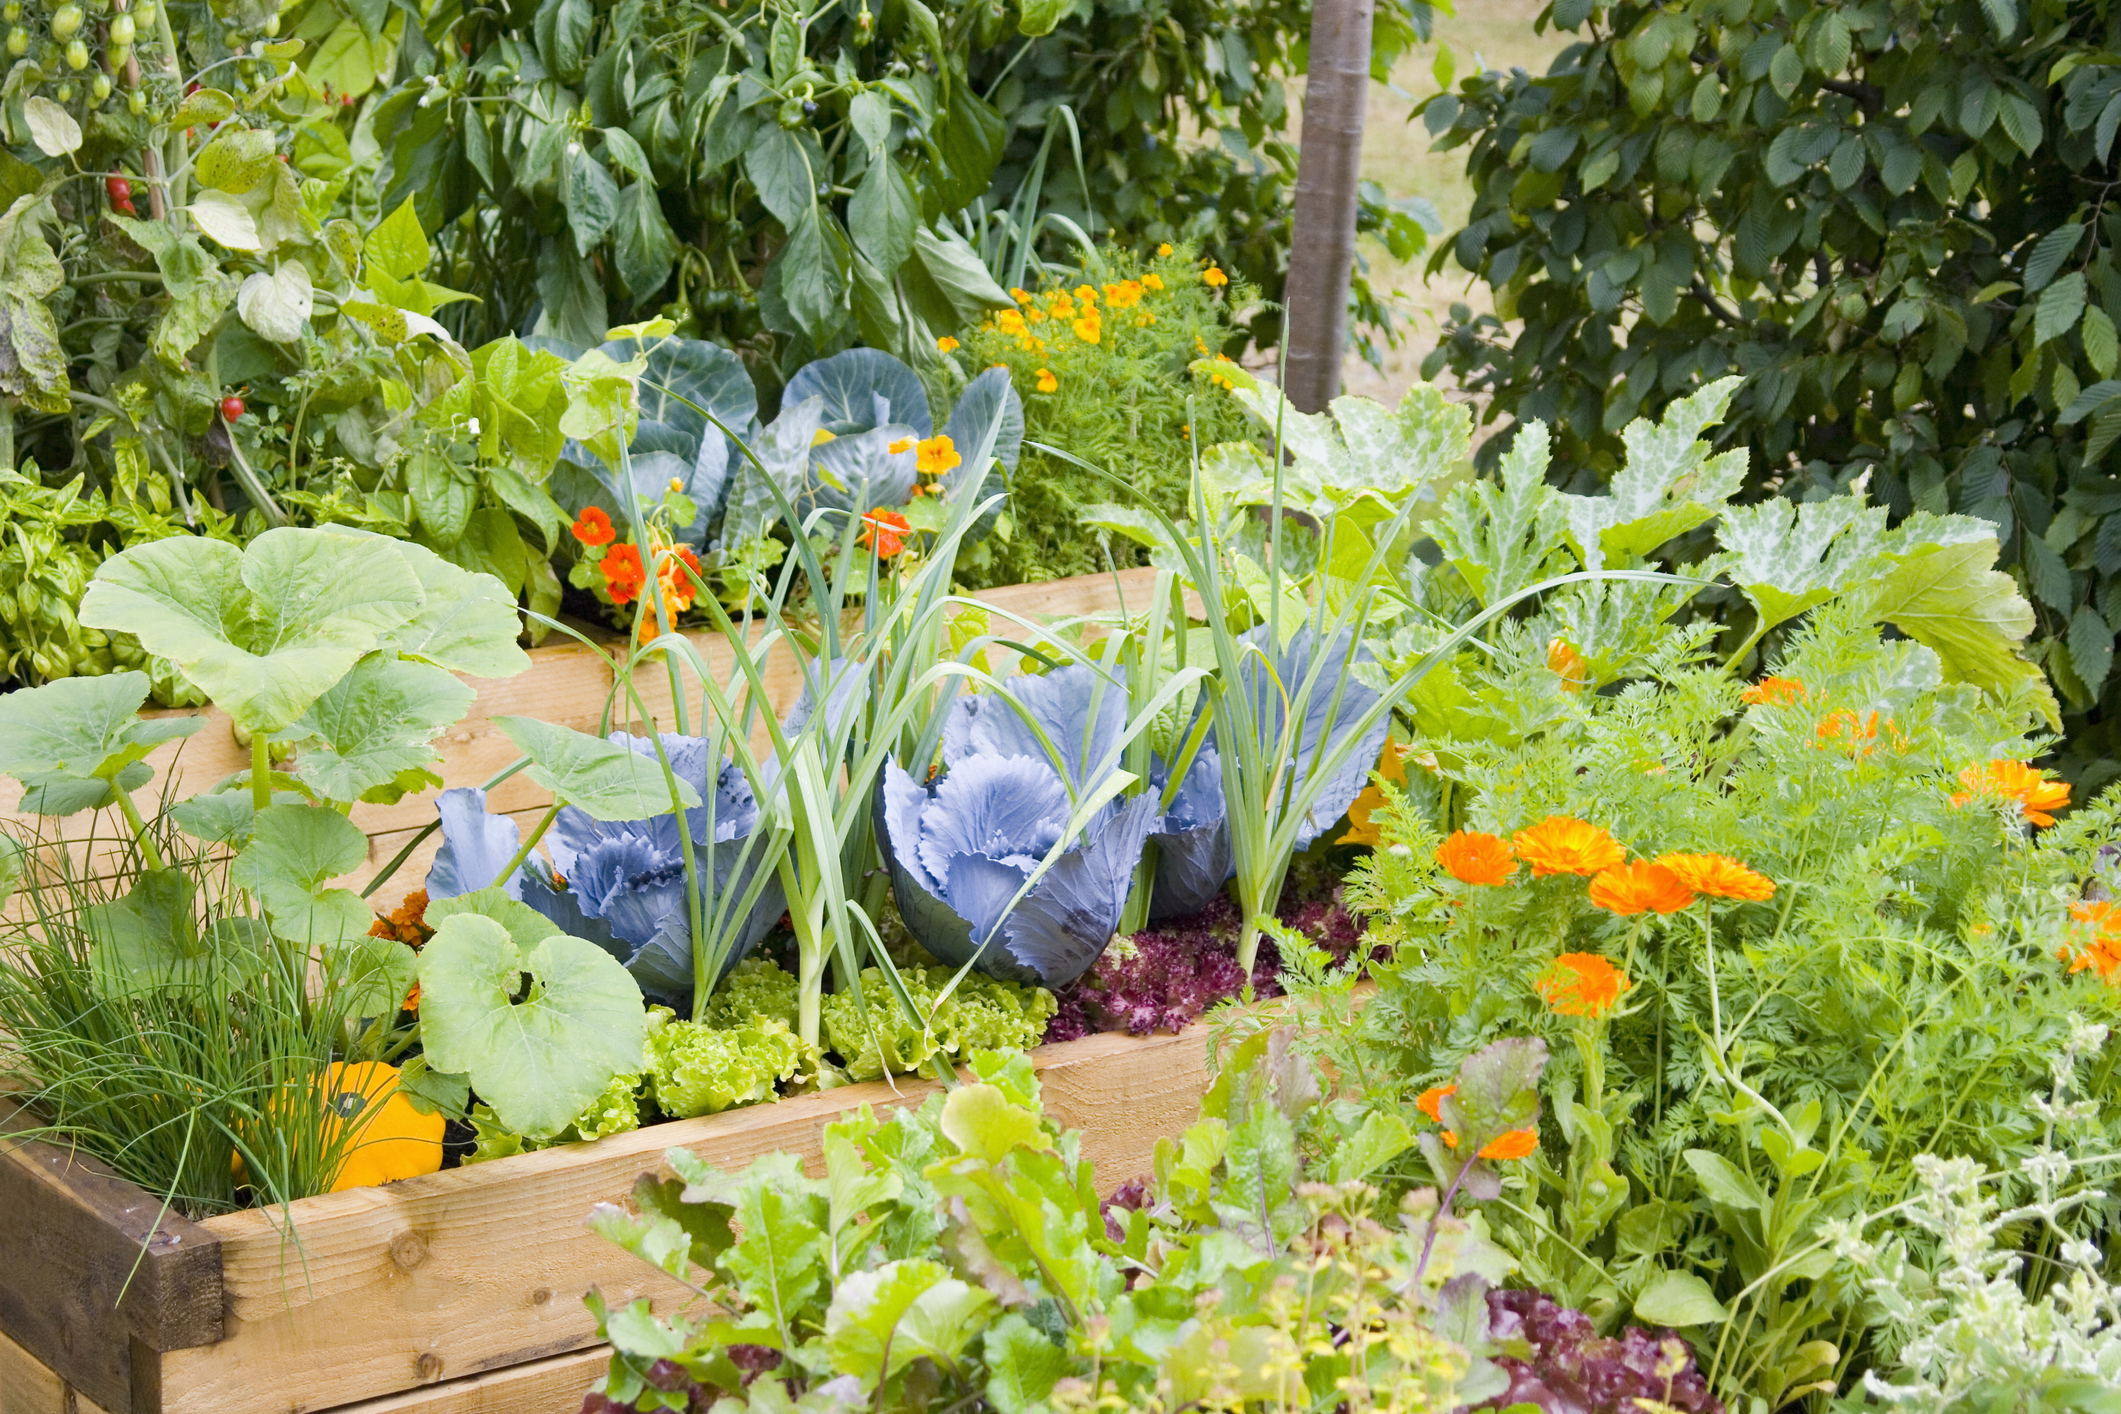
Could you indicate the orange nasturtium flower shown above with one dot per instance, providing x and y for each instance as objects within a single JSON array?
[
  {"x": 1561, "y": 844},
  {"x": 1214, "y": 278},
  {"x": 1718, "y": 876},
  {"x": 1475, "y": 857},
  {"x": 1514, "y": 1144},
  {"x": 1046, "y": 381},
  {"x": 887, "y": 530},
  {"x": 937, "y": 455},
  {"x": 593, "y": 527},
  {"x": 1629, "y": 889},
  {"x": 1566, "y": 663},
  {"x": 1772, "y": 692},
  {"x": 623, "y": 575},
  {"x": 2014, "y": 780},
  {"x": 2099, "y": 945},
  {"x": 676, "y": 583},
  {"x": 1582, "y": 984}
]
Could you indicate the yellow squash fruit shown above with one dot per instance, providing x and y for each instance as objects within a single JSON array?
[{"x": 392, "y": 1139}]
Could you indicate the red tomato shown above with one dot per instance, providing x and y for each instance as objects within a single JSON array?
[{"x": 231, "y": 408}]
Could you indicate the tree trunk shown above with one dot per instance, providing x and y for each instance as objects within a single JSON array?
[{"x": 1322, "y": 253}]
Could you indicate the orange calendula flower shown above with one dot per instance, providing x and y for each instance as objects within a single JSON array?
[
  {"x": 1582, "y": 984},
  {"x": 903, "y": 444},
  {"x": 1718, "y": 876},
  {"x": 1163, "y": 250},
  {"x": 623, "y": 574},
  {"x": 937, "y": 455},
  {"x": 1629, "y": 889},
  {"x": 887, "y": 530},
  {"x": 1430, "y": 1101},
  {"x": 1561, "y": 844},
  {"x": 2097, "y": 944},
  {"x": 1046, "y": 381},
  {"x": 593, "y": 527},
  {"x": 1513, "y": 1144},
  {"x": 1214, "y": 278},
  {"x": 1566, "y": 663},
  {"x": 1474, "y": 857},
  {"x": 1772, "y": 692},
  {"x": 946, "y": 343},
  {"x": 2005, "y": 779}
]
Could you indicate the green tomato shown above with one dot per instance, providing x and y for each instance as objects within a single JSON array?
[
  {"x": 272, "y": 25},
  {"x": 233, "y": 38},
  {"x": 64, "y": 93},
  {"x": 136, "y": 102},
  {"x": 11, "y": 11},
  {"x": 66, "y": 22},
  {"x": 18, "y": 41},
  {"x": 100, "y": 88},
  {"x": 121, "y": 29},
  {"x": 76, "y": 56}
]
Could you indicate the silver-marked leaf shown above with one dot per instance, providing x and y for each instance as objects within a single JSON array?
[
  {"x": 1669, "y": 484},
  {"x": 1790, "y": 557}
]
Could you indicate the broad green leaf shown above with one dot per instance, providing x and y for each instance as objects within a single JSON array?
[
  {"x": 881, "y": 1321},
  {"x": 2060, "y": 305},
  {"x": 295, "y": 850},
  {"x": 1381, "y": 1138},
  {"x": 374, "y": 975},
  {"x": 1669, "y": 484},
  {"x": 1023, "y": 1365},
  {"x": 599, "y": 777},
  {"x": 642, "y": 241},
  {"x": 201, "y": 106},
  {"x": 375, "y": 724},
  {"x": 279, "y": 304},
  {"x": 778, "y": 1262},
  {"x": 538, "y": 1054},
  {"x": 1789, "y": 557},
  {"x": 785, "y": 168},
  {"x": 398, "y": 245},
  {"x": 980, "y": 1120},
  {"x": 74, "y": 742},
  {"x": 226, "y": 219},
  {"x": 883, "y": 214},
  {"x": 1949, "y": 598},
  {"x": 1725, "y": 1182},
  {"x": 1679, "y": 1299},
  {"x": 266, "y": 630},
  {"x": 150, "y": 939},
  {"x": 1505, "y": 537},
  {"x": 946, "y": 281},
  {"x": 466, "y": 623},
  {"x": 525, "y": 925},
  {"x": 1038, "y": 17},
  {"x": 1498, "y": 1091},
  {"x": 51, "y": 127},
  {"x": 661, "y": 1242},
  {"x": 234, "y": 159}
]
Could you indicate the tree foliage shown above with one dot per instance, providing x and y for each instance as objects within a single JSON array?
[{"x": 1888, "y": 216}]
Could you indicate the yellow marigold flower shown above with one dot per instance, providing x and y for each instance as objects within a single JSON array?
[
  {"x": 1163, "y": 250},
  {"x": 946, "y": 343},
  {"x": 1046, "y": 381},
  {"x": 903, "y": 444},
  {"x": 1214, "y": 278},
  {"x": 1085, "y": 293},
  {"x": 1718, "y": 876},
  {"x": 937, "y": 455},
  {"x": 1561, "y": 844},
  {"x": 1152, "y": 280},
  {"x": 1009, "y": 322},
  {"x": 1582, "y": 984},
  {"x": 1088, "y": 329},
  {"x": 1035, "y": 314},
  {"x": 1144, "y": 319},
  {"x": 2006, "y": 779},
  {"x": 1021, "y": 296}
]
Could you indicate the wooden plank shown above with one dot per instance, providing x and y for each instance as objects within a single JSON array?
[
  {"x": 474, "y": 1269},
  {"x": 75, "y": 1237},
  {"x": 27, "y": 1385},
  {"x": 554, "y": 1385}
]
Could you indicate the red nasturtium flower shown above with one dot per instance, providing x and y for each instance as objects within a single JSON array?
[
  {"x": 593, "y": 527},
  {"x": 1472, "y": 857},
  {"x": 1582, "y": 984},
  {"x": 2014, "y": 780},
  {"x": 623, "y": 575},
  {"x": 2097, "y": 944},
  {"x": 1718, "y": 876},
  {"x": 886, "y": 530},
  {"x": 1629, "y": 889},
  {"x": 1560, "y": 844},
  {"x": 678, "y": 588},
  {"x": 1772, "y": 692},
  {"x": 1514, "y": 1144}
]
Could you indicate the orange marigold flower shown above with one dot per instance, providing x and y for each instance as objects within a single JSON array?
[
  {"x": 1046, "y": 381},
  {"x": 623, "y": 575},
  {"x": 946, "y": 343},
  {"x": 1034, "y": 314},
  {"x": 593, "y": 527},
  {"x": 1086, "y": 294},
  {"x": 1009, "y": 322},
  {"x": 1214, "y": 278},
  {"x": 937, "y": 455},
  {"x": 408, "y": 923},
  {"x": 886, "y": 530},
  {"x": 2098, "y": 944},
  {"x": 1163, "y": 250},
  {"x": 1582, "y": 984},
  {"x": 1772, "y": 692},
  {"x": 2005, "y": 779},
  {"x": 1021, "y": 296},
  {"x": 1630, "y": 889},
  {"x": 1718, "y": 876},
  {"x": 1513, "y": 1144},
  {"x": 1474, "y": 857},
  {"x": 1568, "y": 664},
  {"x": 1561, "y": 844},
  {"x": 1430, "y": 1101}
]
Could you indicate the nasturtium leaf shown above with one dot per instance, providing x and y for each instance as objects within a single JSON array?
[
  {"x": 150, "y": 938},
  {"x": 295, "y": 850},
  {"x": 600, "y": 778},
  {"x": 1678, "y": 1299},
  {"x": 537, "y": 1053},
  {"x": 73, "y": 742},
  {"x": 375, "y": 724},
  {"x": 265, "y": 630},
  {"x": 880, "y": 1321}
]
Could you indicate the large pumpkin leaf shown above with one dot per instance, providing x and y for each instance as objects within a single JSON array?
[
  {"x": 264, "y": 631},
  {"x": 1670, "y": 483},
  {"x": 1948, "y": 598},
  {"x": 1789, "y": 557},
  {"x": 538, "y": 1054},
  {"x": 373, "y": 731},
  {"x": 467, "y": 624},
  {"x": 295, "y": 850},
  {"x": 150, "y": 939},
  {"x": 74, "y": 742},
  {"x": 600, "y": 778}
]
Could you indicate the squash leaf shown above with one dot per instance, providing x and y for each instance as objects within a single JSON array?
[
  {"x": 294, "y": 851},
  {"x": 74, "y": 743},
  {"x": 603, "y": 780}
]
